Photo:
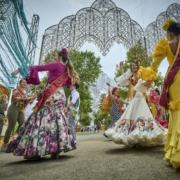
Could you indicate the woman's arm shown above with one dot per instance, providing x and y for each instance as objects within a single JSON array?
[
  {"x": 149, "y": 74},
  {"x": 121, "y": 68},
  {"x": 123, "y": 101},
  {"x": 110, "y": 92},
  {"x": 45, "y": 67},
  {"x": 17, "y": 97}
]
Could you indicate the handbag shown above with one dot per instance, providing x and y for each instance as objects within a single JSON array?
[{"x": 4, "y": 118}]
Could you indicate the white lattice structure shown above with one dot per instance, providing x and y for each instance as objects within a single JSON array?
[{"x": 104, "y": 24}]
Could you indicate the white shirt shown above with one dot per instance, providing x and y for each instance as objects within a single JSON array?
[
  {"x": 29, "y": 109},
  {"x": 74, "y": 95}
]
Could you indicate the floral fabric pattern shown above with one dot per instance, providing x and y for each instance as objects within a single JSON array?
[
  {"x": 137, "y": 126},
  {"x": 44, "y": 132},
  {"x": 17, "y": 93},
  {"x": 143, "y": 131}
]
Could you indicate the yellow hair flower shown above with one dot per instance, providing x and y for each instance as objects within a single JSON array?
[{"x": 167, "y": 24}]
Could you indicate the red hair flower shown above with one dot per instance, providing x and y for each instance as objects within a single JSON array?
[
  {"x": 64, "y": 50},
  {"x": 114, "y": 90}
]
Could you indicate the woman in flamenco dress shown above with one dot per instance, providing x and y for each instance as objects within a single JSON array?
[
  {"x": 170, "y": 96},
  {"x": 136, "y": 127},
  {"x": 46, "y": 130}
]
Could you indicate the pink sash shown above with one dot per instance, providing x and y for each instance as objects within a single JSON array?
[{"x": 164, "y": 99}]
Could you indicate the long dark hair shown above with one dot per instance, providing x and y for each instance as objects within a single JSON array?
[{"x": 64, "y": 54}]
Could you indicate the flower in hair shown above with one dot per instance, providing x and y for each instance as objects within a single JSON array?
[
  {"x": 136, "y": 61},
  {"x": 64, "y": 50},
  {"x": 167, "y": 24}
]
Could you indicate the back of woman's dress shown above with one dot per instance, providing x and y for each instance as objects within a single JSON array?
[
  {"x": 172, "y": 81},
  {"x": 115, "y": 113}
]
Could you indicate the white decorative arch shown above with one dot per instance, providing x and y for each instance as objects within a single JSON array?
[{"x": 104, "y": 24}]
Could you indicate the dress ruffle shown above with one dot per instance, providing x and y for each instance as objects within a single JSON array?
[
  {"x": 123, "y": 80},
  {"x": 45, "y": 132},
  {"x": 147, "y": 74},
  {"x": 137, "y": 126},
  {"x": 174, "y": 105},
  {"x": 172, "y": 146},
  {"x": 161, "y": 48}
]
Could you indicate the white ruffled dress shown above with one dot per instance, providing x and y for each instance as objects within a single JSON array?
[{"x": 137, "y": 125}]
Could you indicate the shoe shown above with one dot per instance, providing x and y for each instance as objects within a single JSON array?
[
  {"x": 55, "y": 156},
  {"x": 4, "y": 147},
  {"x": 32, "y": 157},
  {"x": 138, "y": 146},
  {"x": 106, "y": 136}
]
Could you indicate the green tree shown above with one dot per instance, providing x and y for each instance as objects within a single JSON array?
[
  {"x": 123, "y": 92},
  {"x": 50, "y": 56},
  {"x": 159, "y": 80},
  {"x": 38, "y": 89}
]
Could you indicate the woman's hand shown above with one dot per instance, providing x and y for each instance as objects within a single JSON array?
[
  {"x": 148, "y": 84},
  {"x": 121, "y": 64},
  {"x": 32, "y": 97},
  {"x": 108, "y": 84},
  {"x": 65, "y": 110}
]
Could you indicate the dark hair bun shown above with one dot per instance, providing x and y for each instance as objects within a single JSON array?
[{"x": 174, "y": 28}]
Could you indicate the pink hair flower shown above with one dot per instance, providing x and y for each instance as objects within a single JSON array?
[{"x": 65, "y": 51}]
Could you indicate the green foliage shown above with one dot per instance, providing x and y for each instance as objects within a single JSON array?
[
  {"x": 160, "y": 80},
  {"x": 50, "y": 56},
  {"x": 15, "y": 129},
  {"x": 85, "y": 120},
  {"x": 88, "y": 67},
  {"x": 123, "y": 92},
  {"x": 39, "y": 88},
  {"x": 138, "y": 52}
]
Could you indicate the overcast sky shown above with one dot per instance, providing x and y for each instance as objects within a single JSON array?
[{"x": 52, "y": 11}]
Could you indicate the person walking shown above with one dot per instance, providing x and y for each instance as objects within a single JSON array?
[
  {"x": 72, "y": 108},
  {"x": 15, "y": 111},
  {"x": 3, "y": 108},
  {"x": 98, "y": 127}
]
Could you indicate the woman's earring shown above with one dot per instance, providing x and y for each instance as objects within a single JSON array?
[{"x": 169, "y": 37}]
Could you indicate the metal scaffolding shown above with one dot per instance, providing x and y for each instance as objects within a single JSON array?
[{"x": 30, "y": 47}]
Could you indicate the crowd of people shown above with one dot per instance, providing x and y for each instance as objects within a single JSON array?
[{"x": 50, "y": 127}]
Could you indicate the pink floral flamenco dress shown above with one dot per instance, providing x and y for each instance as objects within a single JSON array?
[{"x": 46, "y": 129}]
